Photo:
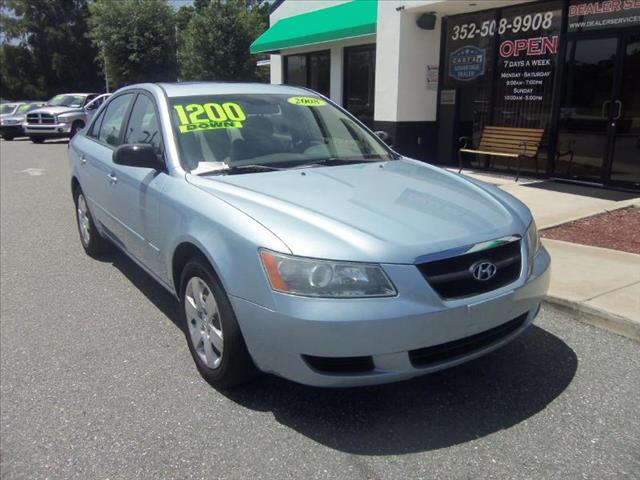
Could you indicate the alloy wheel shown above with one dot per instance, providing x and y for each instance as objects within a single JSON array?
[
  {"x": 83, "y": 220},
  {"x": 203, "y": 320}
]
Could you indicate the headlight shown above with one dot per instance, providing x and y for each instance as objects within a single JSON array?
[
  {"x": 533, "y": 238},
  {"x": 10, "y": 122},
  {"x": 533, "y": 244},
  {"x": 324, "y": 278}
]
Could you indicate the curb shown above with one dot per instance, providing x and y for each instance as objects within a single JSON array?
[
  {"x": 596, "y": 317},
  {"x": 633, "y": 203}
]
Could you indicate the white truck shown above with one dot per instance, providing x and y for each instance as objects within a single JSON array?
[{"x": 63, "y": 116}]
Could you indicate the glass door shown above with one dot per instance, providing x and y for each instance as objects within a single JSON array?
[
  {"x": 599, "y": 121},
  {"x": 587, "y": 109},
  {"x": 625, "y": 156},
  {"x": 359, "y": 82}
]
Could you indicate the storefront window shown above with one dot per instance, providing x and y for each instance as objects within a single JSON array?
[
  {"x": 359, "y": 81},
  {"x": 502, "y": 64},
  {"x": 469, "y": 65},
  {"x": 528, "y": 45},
  {"x": 310, "y": 70}
]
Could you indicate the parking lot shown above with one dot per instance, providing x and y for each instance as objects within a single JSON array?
[{"x": 97, "y": 381}]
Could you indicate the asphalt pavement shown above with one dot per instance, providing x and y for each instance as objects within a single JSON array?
[{"x": 96, "y": 382}]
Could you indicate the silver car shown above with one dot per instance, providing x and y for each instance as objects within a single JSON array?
[{"x": 296, "y": 241}]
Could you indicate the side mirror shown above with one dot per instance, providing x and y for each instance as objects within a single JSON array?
[
  {"x": 382, "y": 135},
  {"x": 138, "y": 155}
]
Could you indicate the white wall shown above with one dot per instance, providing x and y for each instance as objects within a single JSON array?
[
  {"x": 419, "y": 48},
  {"x": 403, "y": 53}
]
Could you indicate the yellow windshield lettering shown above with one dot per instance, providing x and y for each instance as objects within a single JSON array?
[
  {"x": 196, "y": 117},
  {"x": 307, "y": 101}
]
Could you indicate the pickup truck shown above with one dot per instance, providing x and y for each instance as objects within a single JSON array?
[
  {"x": 63, "y": 116},
  {"x": 12, "y": 124}
]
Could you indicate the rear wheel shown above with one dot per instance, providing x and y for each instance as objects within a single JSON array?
[
  {"x": 8, "y": 137},
  {"x": 213, "y": 335},
  {"x": 92, "y": 242},
  {"x": 37, "y": 139}
]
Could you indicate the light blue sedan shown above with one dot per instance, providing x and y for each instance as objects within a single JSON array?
[{"x": 297, "y": 242}]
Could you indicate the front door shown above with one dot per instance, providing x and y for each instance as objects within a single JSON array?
[{"x": 599, "y": 122}]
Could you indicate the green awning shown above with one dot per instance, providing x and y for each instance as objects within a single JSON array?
[{"x": 346, "y": 20}]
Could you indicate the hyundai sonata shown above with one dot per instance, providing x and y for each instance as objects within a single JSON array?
[{"x": 297, "y": 242}]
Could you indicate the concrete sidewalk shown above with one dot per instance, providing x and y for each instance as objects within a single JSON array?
[
  {"x": 600, "y": 286},
  {"x": 596, "y": 285}
]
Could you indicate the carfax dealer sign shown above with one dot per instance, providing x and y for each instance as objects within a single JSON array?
[{"x": 467, "y": 63}]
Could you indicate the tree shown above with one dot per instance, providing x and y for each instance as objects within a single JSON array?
[
  {"x": 136, "y": 39},
  {"x": 215, "y": 44},
  {"x": 19, "y": 79},
  {"x": 52, "y": 52}
]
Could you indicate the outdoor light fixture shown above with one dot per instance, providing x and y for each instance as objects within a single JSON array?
[{"x": 427, "y": 21}]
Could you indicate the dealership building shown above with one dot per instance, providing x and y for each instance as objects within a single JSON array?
[{"x": 555, "y": 83}]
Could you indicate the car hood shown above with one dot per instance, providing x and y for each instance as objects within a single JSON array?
[
  {"x": 56, "y": 110},
  {"x": 15, "y": 118},
  {"x": 391, "y": 212}
]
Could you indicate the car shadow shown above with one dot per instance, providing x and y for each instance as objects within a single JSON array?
[
  {"x": 144, "y": 282},
  {"x": 446, "y": 408}
]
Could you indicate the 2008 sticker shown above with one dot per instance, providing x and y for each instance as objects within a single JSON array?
[
  {"x": 209, "y": 116},
  {"x": 307, "y": 101}
]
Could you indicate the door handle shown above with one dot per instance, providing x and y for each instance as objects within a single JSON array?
[
  {"x": 604, "y": 106},
  {"x": 619, "y": 114},
  {"x": 112, "y": 178},
  {"x": 83, "y": 160}
]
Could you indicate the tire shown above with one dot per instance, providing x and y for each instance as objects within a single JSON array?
[
  {"x": 75, "y": 128},
  {"x": 209, "y": 320},
  {"x": 37, "y": 139},
  {"x": 8, "y": 138},
  {"x": 92, "y": 242}
]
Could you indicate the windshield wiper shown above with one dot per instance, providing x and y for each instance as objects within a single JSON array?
[
  {"x": 331, "y": 161},
  {"x": 251, "y": 166}
]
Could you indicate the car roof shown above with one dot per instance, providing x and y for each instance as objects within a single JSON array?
[
  {"x": 92, "y": 93},
  {"x": 185, "y": 89}
]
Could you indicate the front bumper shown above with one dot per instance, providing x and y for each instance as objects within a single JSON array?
[
  {"x": 11, "y": 130},
  {"x": 387, "y": 331},
  {"x": 58, "y": 130}
]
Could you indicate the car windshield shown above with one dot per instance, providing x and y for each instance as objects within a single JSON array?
[
  {"x": 7, "y": 108},
  {"x": 74, "y": 101},
  {"x": 27, "y": 107},
  {"x": 248, "y": 132}
]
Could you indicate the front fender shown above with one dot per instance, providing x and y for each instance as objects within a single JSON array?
[{"x": 227, "y": 237}]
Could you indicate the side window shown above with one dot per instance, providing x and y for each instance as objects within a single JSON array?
[
  {"x": 143, "y": 125},
  {"x": 113, "y": 119},
  {"x": 95, "y": 127}
]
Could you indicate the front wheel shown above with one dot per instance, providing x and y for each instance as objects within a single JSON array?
[
  {"x": 75, "y": 128},
  {"x": 8, "y": 137},
  {"x": 37, "y": 139},
  {"x": 213, "y": 335},
  {"x": 92, "y": 242}
]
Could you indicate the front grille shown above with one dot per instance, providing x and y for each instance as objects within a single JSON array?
[
  {"x": 451, "y": 278},
  {"x": 425, "y": 357},
  {"x": 40, "y": 119},
  {"x": 344, "y": 365}
]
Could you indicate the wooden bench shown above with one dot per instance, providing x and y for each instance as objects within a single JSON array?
[{"x": 506, "y": 142}]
